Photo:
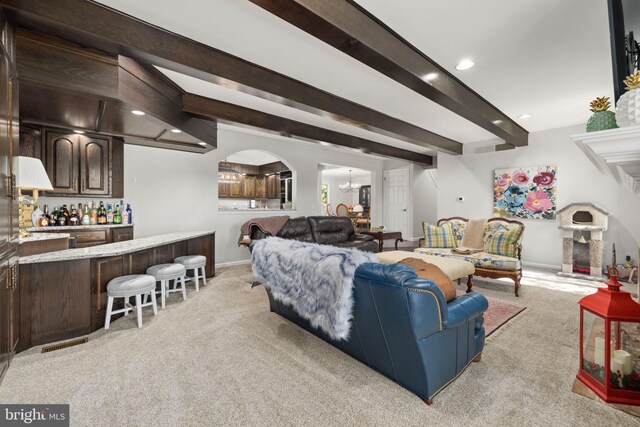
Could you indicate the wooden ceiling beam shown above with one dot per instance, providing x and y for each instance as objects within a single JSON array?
[
  {"x": 102, "y": 28},
  {"x": 353, "y": 30},
  {"x": 224, "y": 112}
]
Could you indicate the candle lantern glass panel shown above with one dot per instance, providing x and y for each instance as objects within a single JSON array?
[
  {"x": 625, "y": 361},
  {"x": 593, "y": 346}
]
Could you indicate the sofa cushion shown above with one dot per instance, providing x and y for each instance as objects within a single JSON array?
[
  {"x": 329, "y": 230},
  {"x": 296, "y": 229},
  {"x": 458, "y": 226},
  {"x": 432, "y": 272},
  {"x": 438, "y": 236},
  {"x": 479, "y": 259},
  {"x": 454, "y": 268},
  {"x": 502, "y": 237}
]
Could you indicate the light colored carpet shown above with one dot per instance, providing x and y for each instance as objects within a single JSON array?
[{"x": 221, "y": 358}]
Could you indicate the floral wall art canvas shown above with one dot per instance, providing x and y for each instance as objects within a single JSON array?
[{"x": 526, "y": 192}]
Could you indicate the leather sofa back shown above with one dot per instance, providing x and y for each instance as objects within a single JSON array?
[
  {"x": 297, "y": 229},
  {"x": 329, "y": 230}
]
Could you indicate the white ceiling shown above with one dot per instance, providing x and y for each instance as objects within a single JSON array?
[
  {"x": 334, "y": 171},
  {"x": 548, "y": 58},
  {"x": 252, "y": 157}
]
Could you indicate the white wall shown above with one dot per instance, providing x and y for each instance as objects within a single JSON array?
[
  {"x": 336, "y": 196},
  {"x": 173, "y": 191},
  {"x": 471, "y": 175}
]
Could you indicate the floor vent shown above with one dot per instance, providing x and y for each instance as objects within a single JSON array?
[{"x": 64, "y": 345}]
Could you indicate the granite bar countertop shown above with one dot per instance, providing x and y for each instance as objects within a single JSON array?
[
  {"x": 113, "y": 249},
  {"x": 76, "y": 227},
  {"x": 43, "y": 236}
]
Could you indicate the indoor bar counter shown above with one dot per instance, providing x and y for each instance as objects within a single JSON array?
[{"x": 63, "y": 294}]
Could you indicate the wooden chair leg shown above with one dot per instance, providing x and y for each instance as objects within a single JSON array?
[
  {"x": 478, "y": 358},
  {"x": 428, "y": 401},
  {"x": 517, "y": 285},
  {"x": 469, "y": 283}
]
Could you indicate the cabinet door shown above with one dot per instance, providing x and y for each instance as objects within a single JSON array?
[
  {"x": 235, "y": 188},
  {"x": 223, "y": 189},
  {"x": 121, "y": 234},
  {"x": 14, "y": 139},
  {"x": 249, "y": 187},
  {"x": 94, "y": 165},
  {"x": 13, "y": 303},
  {"x": 62, "y": 162},
  {"x": 30, "y": 142},
  {"x": 261, "y": 187},
  {"x": 5, "y": 159},
  {"x": 4, "y": 317}
]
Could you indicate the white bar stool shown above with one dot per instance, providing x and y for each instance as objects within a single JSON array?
[
  {"x": 197, "y": 263},
  {"x": 129, "y": 286},
  {"x": 164, "y": 273}
]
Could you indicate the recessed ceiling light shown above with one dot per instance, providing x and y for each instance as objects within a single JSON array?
[
  {"x": 429, "y": 77},
  {"x": 524, "y": 116},
  {"x": 204, "y": 144},
  {"x": 326, "y": 144},
  {"x": 78, "y": 131},
  {"x": 465, "y": 64},
  {"x": 176, "y": 131},
  {"x": 496, "y": 122},
  {"x": 137, "y": 112}
]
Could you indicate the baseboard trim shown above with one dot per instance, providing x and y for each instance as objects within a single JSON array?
[
  {"x": 540, "y": 265},
  {"x": 233, "y": 263}
]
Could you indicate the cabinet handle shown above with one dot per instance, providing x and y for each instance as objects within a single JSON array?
[
  {"x": 14, "y": 276},
  {"x": 83, "y": 185},
  {"x": 8, "y": 280},
  {"x": 75, "y": 183},
  {"x": 12, "y": 192}
]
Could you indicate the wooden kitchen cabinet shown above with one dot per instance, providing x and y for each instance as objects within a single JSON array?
[
  {"x": 235, "y": 189},
  {"x": 261, "y": 187},
  {"x": 83, "y": 165},
  {"x": 273, "y": 187},
  {"x": 121, "y": 234},
  {"x": 249, "y": 187},
  {"x": 223, "y": 189},
  {"x": 88, "y": 237}
]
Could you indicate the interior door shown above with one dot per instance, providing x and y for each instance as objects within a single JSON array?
[
  {"x": 395, "y": 196},
  {"x": 62, "y": 162},
  {"x": 94, "y": 166},
  {"x": 14, "y": 152},
  {"x": 5, "y": 157}
]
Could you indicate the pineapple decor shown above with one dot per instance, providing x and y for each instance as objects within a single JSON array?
[
  {"x": 628, "y": 107},
  {"x": 601, "y": 119}
]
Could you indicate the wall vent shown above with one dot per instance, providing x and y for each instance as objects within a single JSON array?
[{"x": 485, "y": 149}]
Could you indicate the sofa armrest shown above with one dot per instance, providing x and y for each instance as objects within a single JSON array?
[
  {"x": 464, "y": 308},
  {"x": 360, "y": 238},
  {"x": 427, "y": 306}
]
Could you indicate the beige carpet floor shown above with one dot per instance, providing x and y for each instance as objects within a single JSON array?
[{"x": 221, "y": 358}]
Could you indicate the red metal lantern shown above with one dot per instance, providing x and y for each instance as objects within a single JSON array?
[{"x": 610, "y": 343}]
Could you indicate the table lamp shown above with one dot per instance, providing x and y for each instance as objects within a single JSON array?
[{"x": 31, "y": 176}]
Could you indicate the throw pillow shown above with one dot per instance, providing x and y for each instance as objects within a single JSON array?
[
  {"x": 432, "y": 272},
  {"x": 502, "y": 242},
  {"x": 438, "y": 237}
]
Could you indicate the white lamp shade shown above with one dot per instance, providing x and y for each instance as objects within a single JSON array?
[
  {"x": 358, "y": 209},
  {"x": 31, "y": 174}
]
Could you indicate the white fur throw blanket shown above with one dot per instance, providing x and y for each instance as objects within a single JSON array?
[{"x": 316, "y": 280}]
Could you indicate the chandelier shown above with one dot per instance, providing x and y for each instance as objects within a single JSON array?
[
  {"x": 349, "y": 187},
  {"x": 227, "y": 175}
]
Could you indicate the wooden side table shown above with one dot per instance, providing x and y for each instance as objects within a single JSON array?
[{"x": 381, "y": 236}]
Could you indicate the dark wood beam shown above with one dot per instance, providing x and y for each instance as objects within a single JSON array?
[
  {"x": 224, "y": 112},
  {"x": 102, "y": 28},
  {"x": 351, "y": 29}
]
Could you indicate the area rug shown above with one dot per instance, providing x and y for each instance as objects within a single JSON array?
[{"x": 498, "y": 314}]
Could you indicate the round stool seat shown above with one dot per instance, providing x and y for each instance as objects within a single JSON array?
[
  {"x": 128, "y": 286},
  {"x": 167, "y": 271},
  {"x": 192, "y": 261}
]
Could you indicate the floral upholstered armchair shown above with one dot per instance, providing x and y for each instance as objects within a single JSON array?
[{"x": 501, "y": 254}]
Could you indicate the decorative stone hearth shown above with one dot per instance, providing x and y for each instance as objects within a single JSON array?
[{"x": 582, "y": 226}]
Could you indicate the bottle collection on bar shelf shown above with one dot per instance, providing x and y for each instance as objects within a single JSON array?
[{"x": 89, "y": 214}]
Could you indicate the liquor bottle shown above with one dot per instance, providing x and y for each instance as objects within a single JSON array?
[
  {"x": 102, "y": 214},
  {"x": 36, "y": 215},
  {"x": 117, "y": 218},
  {"x": 94, "y": 213},
  {"x": 73, "y": 216},
  {"x": 65, "y": 213},
  {"x": 125, "y": 215},
  {"x": 62, "y": 219},
  {"x": 46, "y": 213},
  {"x": 53, "y": 218},
  {"x": 129, "y": 214},
  {"x": 86, "y": 216},
  {"x": 109, "y": 214}
]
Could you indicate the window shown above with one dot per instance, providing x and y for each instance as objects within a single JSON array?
[{"x": 324, "y": 194}]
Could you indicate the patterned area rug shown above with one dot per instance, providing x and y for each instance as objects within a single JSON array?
[{"x": 498, "y": 314}]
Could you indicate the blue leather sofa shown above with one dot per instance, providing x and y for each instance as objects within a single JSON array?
[{"x": 403, "y": 328}]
